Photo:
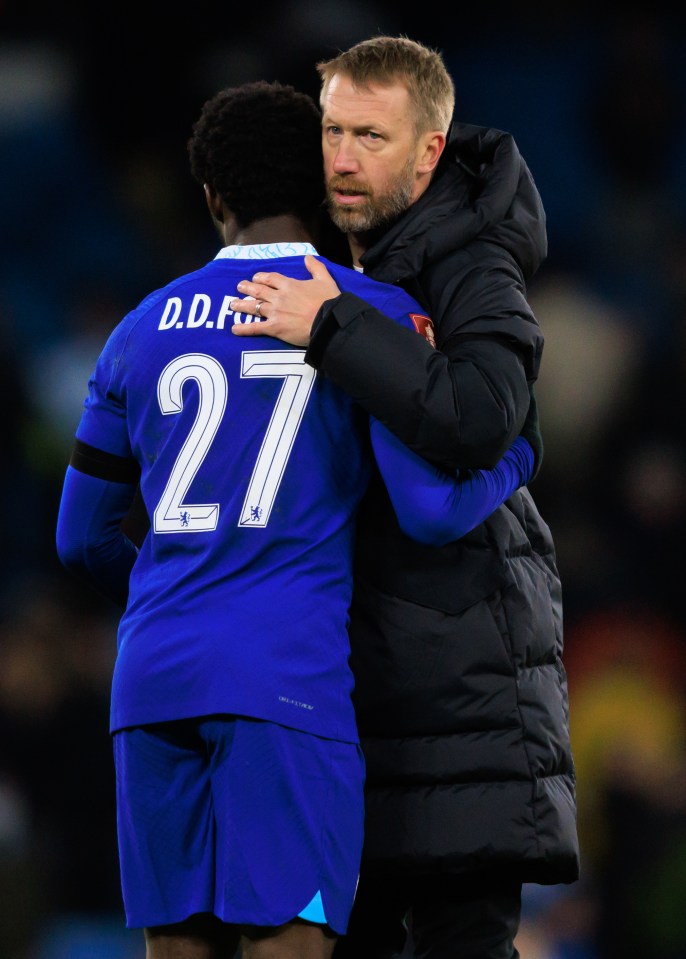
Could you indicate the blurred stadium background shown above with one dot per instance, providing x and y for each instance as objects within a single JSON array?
[{"x": 97, "y": 208}]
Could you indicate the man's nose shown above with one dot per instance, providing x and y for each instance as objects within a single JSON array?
[{"x": 345, "y": 160}]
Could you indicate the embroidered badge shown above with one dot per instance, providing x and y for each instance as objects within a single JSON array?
[{"x": 424, "y": 326}]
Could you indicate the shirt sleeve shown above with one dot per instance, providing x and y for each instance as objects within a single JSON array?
[
  {"x": 436, "y": 507},
  {"x": 90, "y": 541}
]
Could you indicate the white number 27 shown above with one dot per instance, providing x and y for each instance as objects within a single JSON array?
[{"x": 172, "y": 514}]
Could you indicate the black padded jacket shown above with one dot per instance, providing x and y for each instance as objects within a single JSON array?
[{"x": 461, "y": 693}]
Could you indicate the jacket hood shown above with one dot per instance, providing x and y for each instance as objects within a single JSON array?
[{"x": 482, "y": 189}]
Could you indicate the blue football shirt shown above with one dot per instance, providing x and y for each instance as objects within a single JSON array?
[{"x": 252, "y": 468}]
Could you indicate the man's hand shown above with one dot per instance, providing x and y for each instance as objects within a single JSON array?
[{"x": 286, "y": 307}]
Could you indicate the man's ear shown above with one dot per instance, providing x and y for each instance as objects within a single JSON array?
[
  {"x": 214, "y": 203},
  {"x": 431, "y": 147}
]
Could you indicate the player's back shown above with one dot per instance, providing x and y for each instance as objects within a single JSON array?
[{"x": 252, "y": 468}]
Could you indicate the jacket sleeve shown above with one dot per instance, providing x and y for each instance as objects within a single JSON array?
[{"x": 460, "y": 406}]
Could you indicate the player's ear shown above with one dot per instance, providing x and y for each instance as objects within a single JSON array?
[{"x": 214, "y": 203}]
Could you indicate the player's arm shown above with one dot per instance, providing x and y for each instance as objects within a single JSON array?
[
  {"x": 435, "y": 507},
  {"x": 97, "y": 494},
  {"x": 460, "y": 406}
]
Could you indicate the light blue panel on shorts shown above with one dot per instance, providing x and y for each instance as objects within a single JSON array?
[{"x": 314, "y": 910}]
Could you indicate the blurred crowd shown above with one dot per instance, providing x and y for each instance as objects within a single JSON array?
[{"x": 98, "y": 208}]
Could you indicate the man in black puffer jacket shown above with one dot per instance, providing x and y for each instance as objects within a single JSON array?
[{"x": 461, "y": 692}]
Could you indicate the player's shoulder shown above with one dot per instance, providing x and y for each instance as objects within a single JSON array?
[
  {"x": 175, "y": 287},
  {"x": 161, "y": 299},
  {"x": 392, "y": 301},
  {"x": 374, "y": 291}
]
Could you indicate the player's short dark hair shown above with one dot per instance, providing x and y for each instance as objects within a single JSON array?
[{"x": 258, "y": 146}]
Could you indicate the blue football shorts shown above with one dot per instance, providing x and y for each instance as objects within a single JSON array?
[{"x": 252, "y": 821}]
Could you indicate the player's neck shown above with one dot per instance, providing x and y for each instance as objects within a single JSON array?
[{"x": 274, "y": 229}]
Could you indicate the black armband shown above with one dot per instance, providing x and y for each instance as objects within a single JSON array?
[{"x": 106, "y": 466}]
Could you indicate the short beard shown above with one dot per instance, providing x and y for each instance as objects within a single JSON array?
[{"x": 378, "y": 210}]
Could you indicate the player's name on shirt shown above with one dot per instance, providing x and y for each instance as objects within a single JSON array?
[{"x": 201, "y": 312}]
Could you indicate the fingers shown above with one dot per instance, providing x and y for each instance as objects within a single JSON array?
[
  {"x": 273, "y": 281},
  {"x": 316, "y": 268},
  {"x": 319, "y": 273},
  {"x": 263, "y": 328},
  {"x": 262, "y": 285},
  {"x": 257, "y": 290},
  {"x": 279, "y": 328},
  {"x": 250, "y": 305}
]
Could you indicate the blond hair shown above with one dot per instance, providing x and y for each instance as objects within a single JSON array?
[{"x": 387, "y": 60}]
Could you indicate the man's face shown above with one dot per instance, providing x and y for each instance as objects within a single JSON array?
[{"x": 371, "y": 154}]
